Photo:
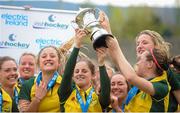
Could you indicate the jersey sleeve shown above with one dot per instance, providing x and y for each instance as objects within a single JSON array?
[
  {"x": 25, "y": 90},
  {"x": 161, "y": 89}
]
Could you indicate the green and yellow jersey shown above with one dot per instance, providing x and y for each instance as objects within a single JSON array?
[
  {"x": 72, "y": 103},
  {"x": 143, "y": 102},
  {"x": 68, "y": 95},
  {"x": 174, "y": 81},
  {"x": 50, "y": 103},
  {"x": 9, "y": 104}
]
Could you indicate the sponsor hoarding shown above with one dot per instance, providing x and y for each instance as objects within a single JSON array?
[{"x": 23, "y": 30}]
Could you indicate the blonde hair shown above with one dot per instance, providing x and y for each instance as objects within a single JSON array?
[
  {"x": 64, "y": 51},
  {"x": 157, "y": 39},
  {"x": 27, "y": 54}
]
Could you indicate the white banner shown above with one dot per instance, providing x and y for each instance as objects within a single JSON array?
[{"x": 23, "y": 30}]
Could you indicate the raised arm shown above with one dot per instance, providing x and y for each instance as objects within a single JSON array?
[
  {"x": 104, "y": 97},
  {"x": 104, "y": 21},
  {"x": 65, "y": 87},
  {"x": 127, "y": 70}
]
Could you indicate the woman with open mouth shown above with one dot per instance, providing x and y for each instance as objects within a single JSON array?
[
  {"x": 8, "y": 90},
  {"x": 83, "y": 98}
]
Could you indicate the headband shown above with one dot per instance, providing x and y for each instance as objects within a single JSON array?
[{"x": 154, "y": 58}]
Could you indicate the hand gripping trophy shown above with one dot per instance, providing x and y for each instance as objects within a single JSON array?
[{"x": 88, "y": 18}]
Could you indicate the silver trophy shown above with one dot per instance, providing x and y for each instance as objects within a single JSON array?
[{"x": 88, "y": 19}]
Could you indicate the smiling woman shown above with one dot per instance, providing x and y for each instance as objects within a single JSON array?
[
  {"x": 27, "y": 67},
  {"x": 8, "y": 79},
  {"x": 37, "y": 92},
  {"x": 83, "y": 98},
  {"x": 119, "y": 91}
]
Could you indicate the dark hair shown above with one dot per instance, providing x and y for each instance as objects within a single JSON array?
[
  {"x": 89, "y": 63},
  {"x": 160, "y": 58},
  {"x": 59, "y": 56},
  {"x": 6, "y": 58},
  {"x": 119, "y": 73},
  {"x": 175, "y": 61}
]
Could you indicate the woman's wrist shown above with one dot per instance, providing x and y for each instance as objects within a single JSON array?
[
  {"x": 118, "y": 109},
  {"x": 37, "y": 99},
  {"x": 101, "y": 63},
  {"x": 77, "y": 45}
]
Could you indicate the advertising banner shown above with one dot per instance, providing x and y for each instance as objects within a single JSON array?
[{"x": 29, "y": 30}]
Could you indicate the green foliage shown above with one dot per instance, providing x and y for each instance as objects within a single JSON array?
[
  {"x": 133, "y": 20},
  {"x": 128, "y": 22},
  {"x": 87, "y": 4},
  {"x": 177, "y": 27},
  {"x": 116, "y": 20}
]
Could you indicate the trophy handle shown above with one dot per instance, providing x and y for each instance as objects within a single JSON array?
[
  {"x": 74, "y": 24},
  {"x": 97, "y": 13}
]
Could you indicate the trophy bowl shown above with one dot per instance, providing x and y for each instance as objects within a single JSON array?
[{"x": 88, "y": 19}]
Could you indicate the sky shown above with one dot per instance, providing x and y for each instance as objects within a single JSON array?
[{"x": 125, "y": 3}]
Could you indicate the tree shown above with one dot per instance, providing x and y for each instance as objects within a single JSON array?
[
  {"x": 141, "y": 18},
  {"x": 116, "y": 20}
]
